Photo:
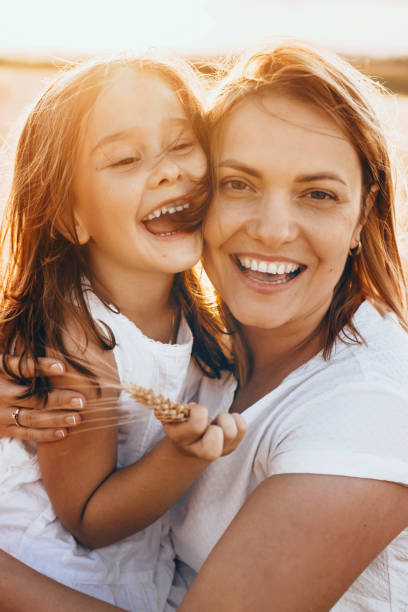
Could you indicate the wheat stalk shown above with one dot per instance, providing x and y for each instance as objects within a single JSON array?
[{"x": 165, "y": 410}]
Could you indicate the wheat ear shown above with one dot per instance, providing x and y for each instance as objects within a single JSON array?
[{"x": 165, "y": 410}]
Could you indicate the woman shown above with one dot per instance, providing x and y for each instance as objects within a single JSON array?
[{"x": 300, "y": 244}]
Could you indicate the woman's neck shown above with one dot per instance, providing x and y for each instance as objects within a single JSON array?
[{"x": 275, "y": 354}]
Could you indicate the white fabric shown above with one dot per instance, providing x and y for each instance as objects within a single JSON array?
[
  {"x": 135, "y": 573},
  {"x": 346, "y": 416}
]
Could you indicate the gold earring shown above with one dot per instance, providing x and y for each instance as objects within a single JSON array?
[{"x": 355, "y": 250}]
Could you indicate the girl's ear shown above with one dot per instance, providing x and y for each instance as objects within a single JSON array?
[
  {"x": 74, "y": 229},
  {"x": 80, "y": 229},
  {"x": 368, "y": 204}
]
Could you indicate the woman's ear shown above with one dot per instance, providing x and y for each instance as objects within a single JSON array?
[{"x": 367, "y": 206}]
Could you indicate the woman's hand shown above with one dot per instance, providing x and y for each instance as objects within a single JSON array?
[
  {"x": 29, "y": 419},
  {"x": 199, "y": 437}
]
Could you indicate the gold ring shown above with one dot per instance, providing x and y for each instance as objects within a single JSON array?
[{"x": 15, "y": 415}]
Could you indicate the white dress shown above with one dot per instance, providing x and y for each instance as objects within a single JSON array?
[
  {"x": 346, "y": 416},
  {"x": 135, "y": 573}
]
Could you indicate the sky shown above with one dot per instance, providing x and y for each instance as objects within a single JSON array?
[{"x": 200, "y": 27}]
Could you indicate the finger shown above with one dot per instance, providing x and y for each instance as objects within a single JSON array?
[
  {"x": 189, "y": 431},
  {"x": 210, "y": 445},
  {"x": 46, "y": 366},
  {"x": 228, "y": 425},
  {"x": 57, "y": 399},
  {"x": 36, "y": 419},
  {"x": 241, "y": 427},
  {"x": 66, "y": 399},
  {"x": 35, "y": 435}
]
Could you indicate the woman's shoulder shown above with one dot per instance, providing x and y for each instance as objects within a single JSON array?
[
  {"x": 347, "y": 415},
  {"x": 381, "y": 355}
]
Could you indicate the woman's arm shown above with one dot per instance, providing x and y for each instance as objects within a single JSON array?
[
  {"x": 45, "y": 425},
  {"x": 22, "y": 589},
  {"x": 298, "y": 543}
]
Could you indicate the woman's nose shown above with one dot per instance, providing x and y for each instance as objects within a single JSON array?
[
  {"x": 274, "y": 221},
  {"x": 165, "y": 171}
]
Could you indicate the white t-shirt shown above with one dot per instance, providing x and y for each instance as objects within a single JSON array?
[
  {"x": 135, "y": 573},
  {"x": 346, "y": 416}
]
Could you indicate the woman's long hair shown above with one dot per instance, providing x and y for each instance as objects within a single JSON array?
[
  {"x": 342, "y": 92},
  {"x": 45, "y": 266}
]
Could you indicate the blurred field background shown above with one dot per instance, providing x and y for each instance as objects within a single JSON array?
[{"x": 35, "y": 36}]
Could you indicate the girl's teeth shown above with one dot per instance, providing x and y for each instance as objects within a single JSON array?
[
  {"x": 268, "y": 267},
  {"x": 167, "y": 210}
]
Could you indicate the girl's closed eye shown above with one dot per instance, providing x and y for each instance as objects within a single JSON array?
[
  {"x": 183, "y": 146},
  {"x": 125, "y": 161}
]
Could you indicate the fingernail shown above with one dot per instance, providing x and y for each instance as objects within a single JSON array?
[
  {"x": 77, "y": 402},
  {"x": 72, "y": 419},
  {"x": 60, "y": 433},
  {"x": 57, "y": 368}
]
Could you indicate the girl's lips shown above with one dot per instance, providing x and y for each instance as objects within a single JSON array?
[
  {"x": 166, "y": 232},
  {"x": 264, "y": 282}
]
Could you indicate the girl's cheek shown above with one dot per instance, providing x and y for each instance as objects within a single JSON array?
[{"x": 198, "y": 165}]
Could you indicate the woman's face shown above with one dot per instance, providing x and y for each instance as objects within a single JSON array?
[
  {"x": 139, "y": 163},
  {"x": 285, "y": 214}
]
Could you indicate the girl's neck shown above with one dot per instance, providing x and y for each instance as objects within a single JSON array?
[{"x": 144, "y": 298}]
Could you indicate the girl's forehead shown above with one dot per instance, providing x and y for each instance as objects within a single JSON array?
[
  {"x": 128, "y": 87},
  {"x": 133, "y": 100}
]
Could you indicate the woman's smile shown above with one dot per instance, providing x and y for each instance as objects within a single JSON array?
[{"x": 265, "y": 273}]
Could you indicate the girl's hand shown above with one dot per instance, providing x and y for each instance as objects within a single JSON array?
[
  {"x": 31, "y": 420},
  {"x": 199, "y": 437}
]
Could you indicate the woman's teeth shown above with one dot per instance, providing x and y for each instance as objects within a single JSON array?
[
  {"x": 268, "y": 267},
  {"x": 168, "y": 210}
]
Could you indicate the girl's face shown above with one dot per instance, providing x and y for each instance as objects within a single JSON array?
[
  {"x": 285, "y": 214},
  {"x": 138, "y": 165}
]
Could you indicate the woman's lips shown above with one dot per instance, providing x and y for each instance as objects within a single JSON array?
[{"x": 264, "y": 275}]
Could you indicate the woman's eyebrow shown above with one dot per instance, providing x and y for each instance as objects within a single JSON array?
[
  {"x": 232, "y": 163},
  {"x": 328, "y": 176}
]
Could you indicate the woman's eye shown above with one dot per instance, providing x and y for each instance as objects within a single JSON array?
[
  {"x": 235, "y": 185},
  {"x": 320, "y": 195}
]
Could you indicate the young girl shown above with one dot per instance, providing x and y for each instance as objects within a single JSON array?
[{"x": 104, "y": 219}]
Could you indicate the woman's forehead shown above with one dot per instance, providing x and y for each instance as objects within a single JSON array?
[{"x": 280, "y": 128}]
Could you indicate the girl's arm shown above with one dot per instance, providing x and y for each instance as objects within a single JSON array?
[
  {"x": 298, "y": 543},
  {"x": 99, "y": 504},
  {"x": 22, "y": 589}
]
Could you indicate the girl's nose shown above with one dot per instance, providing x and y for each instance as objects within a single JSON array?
[
  {"x": 274, "y": 221},
  {"x": 165, "y": 171}
]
